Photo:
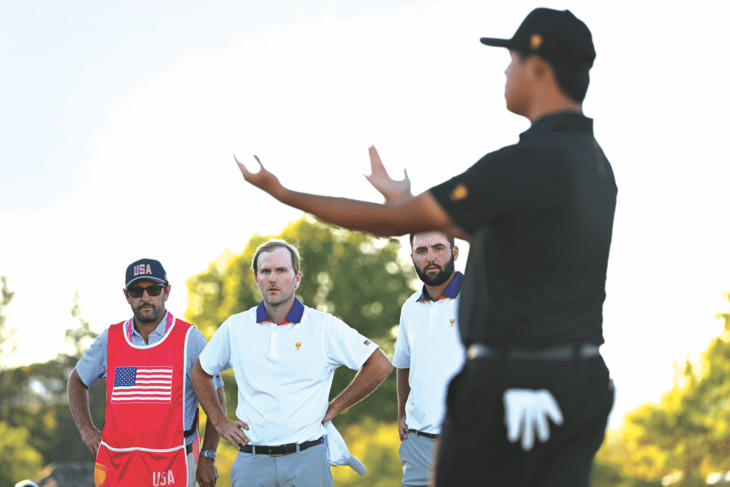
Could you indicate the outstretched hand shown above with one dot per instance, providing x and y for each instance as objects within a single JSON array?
[
  {"x": 392, "y": 190},
  {"x": 263, "y": 179}
]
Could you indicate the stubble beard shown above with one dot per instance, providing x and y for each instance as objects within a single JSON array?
[
  {"x": 441, "y": 277},
  {"x": 144, "y": 320},
  {"x": 283, "y": 298}
]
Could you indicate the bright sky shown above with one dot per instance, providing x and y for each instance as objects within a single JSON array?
[{"x": 117, "y": 121}]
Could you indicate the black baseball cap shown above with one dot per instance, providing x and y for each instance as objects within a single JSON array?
[
  {"x": 557, "y": 36},
  {"x": 146, "y": 269}
]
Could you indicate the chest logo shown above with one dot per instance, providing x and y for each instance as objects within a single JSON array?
[
  {"x": 459, "y": 193},
  {"x": 452, "y": 321},
  {"x": 143, "y": 384},
  {"x": 298, "y": 344}
]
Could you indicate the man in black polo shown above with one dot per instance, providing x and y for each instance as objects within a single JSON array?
[{"x": 539, "y": 217}]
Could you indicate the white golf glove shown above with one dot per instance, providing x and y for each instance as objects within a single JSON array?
[{"x": 527, "y": 411}]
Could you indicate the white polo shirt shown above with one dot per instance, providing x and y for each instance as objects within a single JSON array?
[
  {"x": 284, "y": 372},
  {"x": 430, "y": 346}
]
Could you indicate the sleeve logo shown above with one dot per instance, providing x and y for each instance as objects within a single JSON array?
[{"x": 459, "y": 193}]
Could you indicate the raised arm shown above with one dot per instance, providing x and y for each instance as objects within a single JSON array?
[
  {"x": 393, "y": 191},
  {"x": 408, "y": 214},
  {"x": 374, "y": 371}
]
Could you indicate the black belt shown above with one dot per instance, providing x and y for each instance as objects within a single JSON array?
[
  {"x": 276, "y": 451},
  {"x": 558, "y": 352},
  {"x": 189, "y": 448},
  {"x": 427, "y": 435}
]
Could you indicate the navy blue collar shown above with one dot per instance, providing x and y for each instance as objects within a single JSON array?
[
  {"x": 294, "y": 316},
  {"x": 451, "y": 291}
]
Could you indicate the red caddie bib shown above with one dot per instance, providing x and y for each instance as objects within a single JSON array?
[{"x": 143, "y": 443}]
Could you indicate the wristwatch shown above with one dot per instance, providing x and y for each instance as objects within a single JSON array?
[{"x": 209, "y": 454}]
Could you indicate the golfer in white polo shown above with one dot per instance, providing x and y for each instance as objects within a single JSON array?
[
  {"x": 428, "y": 353},
  {"x": 284, "y": 355}
]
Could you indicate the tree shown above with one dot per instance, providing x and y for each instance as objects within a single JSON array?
[
  {"x": 80, "y": 338},
  {"x": 376, "y": 445},
  {"x": 356, "y": 277},
  {"x": 689, "y": 429},
  {"x": 18, "y": 461},
  {"x": 7, "y": 344},
  {"x": 35, "y": 400}
]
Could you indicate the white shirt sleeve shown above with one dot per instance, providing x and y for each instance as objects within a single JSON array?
[
  {"x": 216, "y": 356},
  {"x": 402, "y": 355},
  {"x": 345, "y": 346}
]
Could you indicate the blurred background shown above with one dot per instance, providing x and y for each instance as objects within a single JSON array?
[{"x": 117, "y": 122}]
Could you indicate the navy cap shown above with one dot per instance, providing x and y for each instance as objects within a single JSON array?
[
  {"x": 145, "y": 269},
  {"x": 557, "y": 36}
]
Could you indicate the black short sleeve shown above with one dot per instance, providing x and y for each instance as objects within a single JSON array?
[{"x": 501, "y": 183}]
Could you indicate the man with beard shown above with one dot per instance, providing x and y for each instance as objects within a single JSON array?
[
  {"x": 150, "y": 432},
  {"x": 538, "y": 215},
  {"x": 428, "y": 353}
]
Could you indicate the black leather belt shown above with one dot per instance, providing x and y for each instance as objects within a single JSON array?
[
  {"x": 427, "y": 435},
  {"x": 558, "y": 352},
  {"x": 276, "y": 451},
  {"x": 189, "y": 448}
]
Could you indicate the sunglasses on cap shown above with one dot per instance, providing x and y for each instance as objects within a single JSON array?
[{"x": 138, "y": 291}]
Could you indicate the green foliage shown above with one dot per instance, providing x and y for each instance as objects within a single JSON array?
[
  {"x": 34, "y": 399},
  {"x": 81, "y": 337},
  {"x": 688, "y": 430},
  {"x": 7, "y": 344},
  {"x": 354, "y": 276},
  {"x": 18, "y": 461},
  {"x": 609, "y": 466},
  {"x": 376, "y": 445}
]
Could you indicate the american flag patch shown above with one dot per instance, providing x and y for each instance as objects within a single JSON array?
[
  {"x": 366, "y": 342},
  {"x": 142, "y": 384}
]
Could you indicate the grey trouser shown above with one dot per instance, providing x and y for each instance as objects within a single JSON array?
[
  {"x": 416, "y": 457},
  {"x": 192, "y": 470},
  {"x": 308, "y": 468}
]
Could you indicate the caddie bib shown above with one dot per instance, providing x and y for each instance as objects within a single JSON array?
[{"x": 143, "y": 443}]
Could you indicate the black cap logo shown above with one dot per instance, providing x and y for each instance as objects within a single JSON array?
[{"x": 535, "y": 41}]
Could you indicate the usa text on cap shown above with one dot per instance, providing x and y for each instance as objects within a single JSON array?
[{"x": 145, "y": 269}]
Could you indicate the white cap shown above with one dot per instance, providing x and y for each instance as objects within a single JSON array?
[
  {"x": 26, "y": 483},
  {"x": 337, "y": 452}
]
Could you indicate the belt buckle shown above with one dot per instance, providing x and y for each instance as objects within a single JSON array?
[{"x": 272, "y": 454}]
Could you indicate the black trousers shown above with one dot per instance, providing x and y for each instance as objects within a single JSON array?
[{"x": 474, "y": 449}]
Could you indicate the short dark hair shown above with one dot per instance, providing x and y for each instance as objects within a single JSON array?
[
  {"x": 572, "y": 80},
  {"x": 276, "y": 244},
  {"x": 450, "y": 239}
]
